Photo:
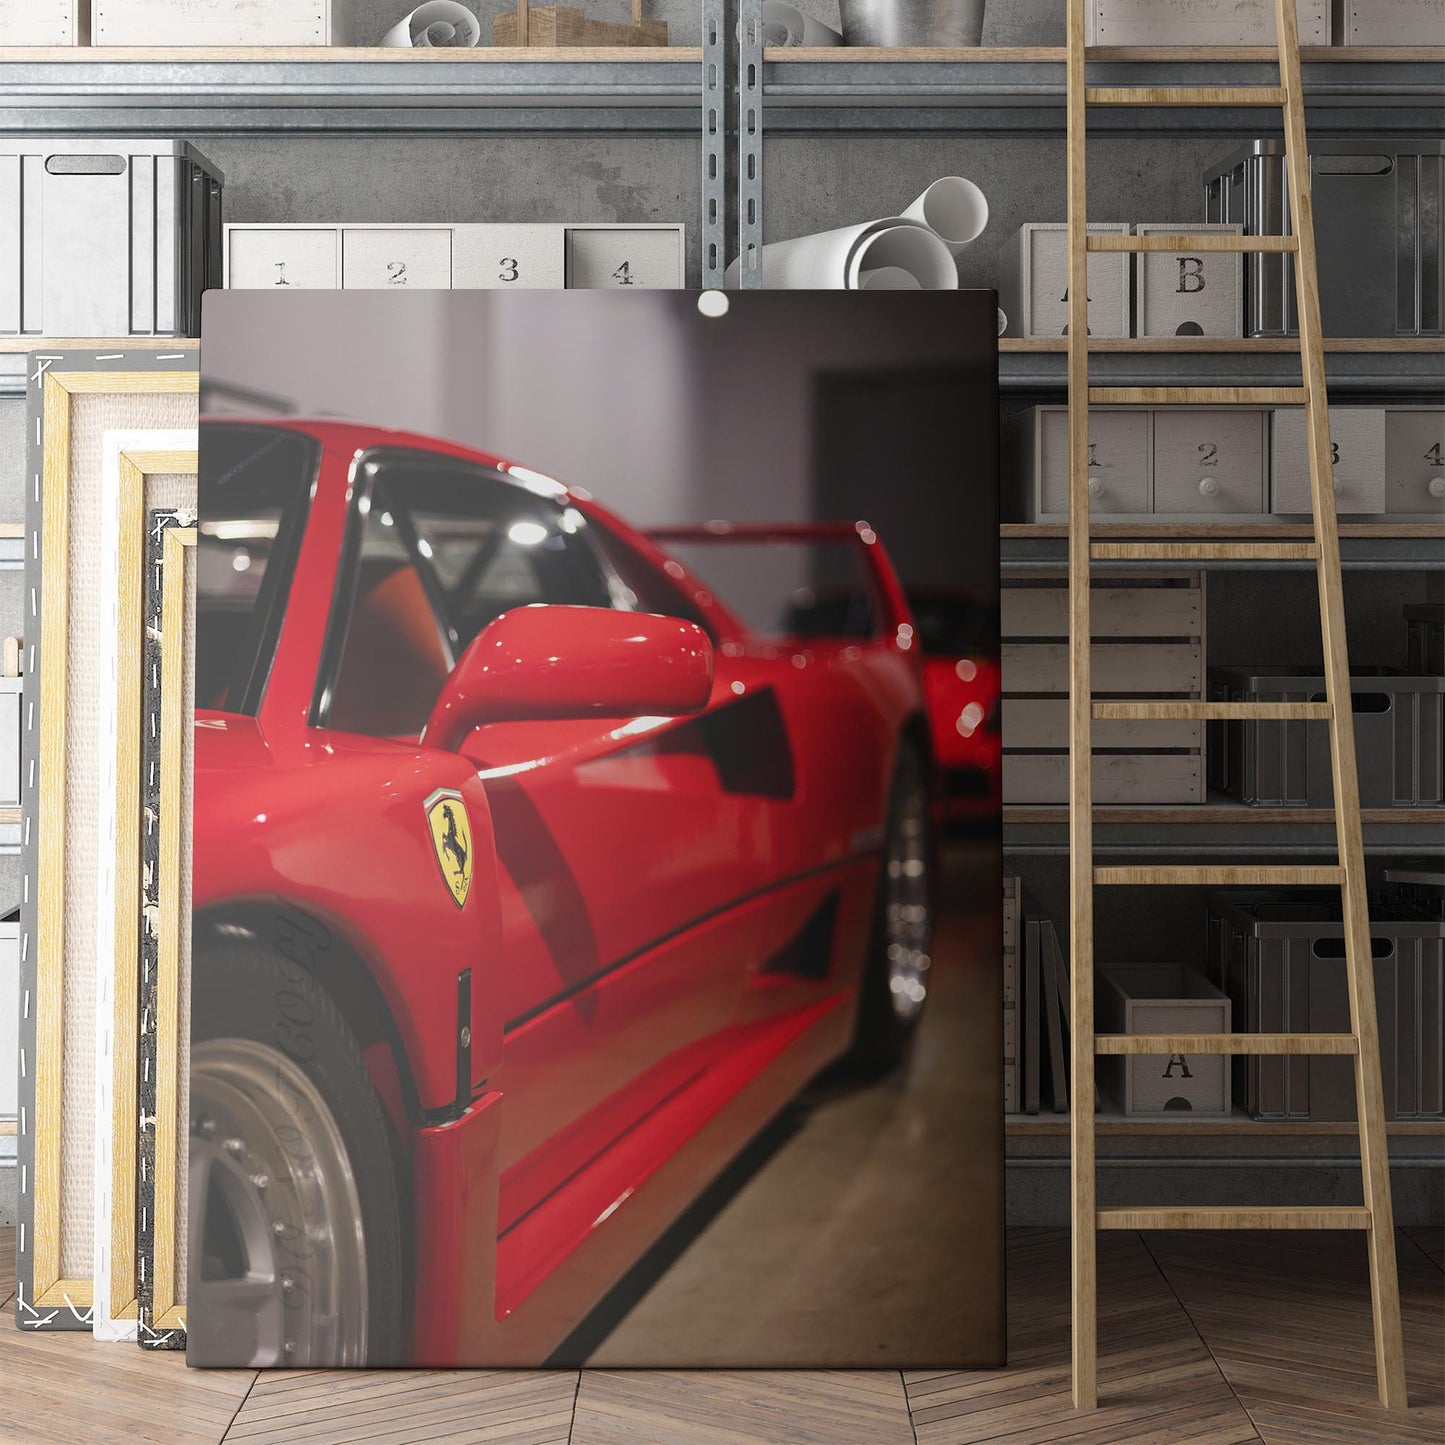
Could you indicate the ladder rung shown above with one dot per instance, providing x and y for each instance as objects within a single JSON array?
[
  {"x": 1205, "y": 551},
  {"x": 1187, "y": 241},
  {"x": 1226, "y": 876},
  {"x": 1264, "y": 1044},
  {"x": 1198, "y": 395},
  {"x": 1185, "y": 95},
  {"x": 1211, "y": 1216},
  {"x": 1204, "y": 711}
]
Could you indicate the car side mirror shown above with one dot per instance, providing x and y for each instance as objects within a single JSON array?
[{"x": 547, "y": 662}]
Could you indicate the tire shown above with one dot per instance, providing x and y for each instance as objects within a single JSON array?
[
  {"x": 894, "y": 986},
  {"x": 296, "y": 1206}
]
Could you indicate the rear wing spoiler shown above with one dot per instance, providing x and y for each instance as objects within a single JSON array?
[{"x": 895, "y": 615}]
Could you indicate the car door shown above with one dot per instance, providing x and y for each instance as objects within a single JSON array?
[{"x": 622, "y": 844}]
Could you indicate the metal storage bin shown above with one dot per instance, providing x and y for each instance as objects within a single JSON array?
[
  {"x": 106, "y": 237},
  {"x": 1425, "y": 637},
  {"x": 1149, "y": 998},
  {"x": 1377, "y": 210},
  {"x": 1280, "y": 957},
  {"x": 1398, "y": 739}
]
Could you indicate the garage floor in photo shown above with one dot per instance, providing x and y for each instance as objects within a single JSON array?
[{"x": 1204, "y": 1340}]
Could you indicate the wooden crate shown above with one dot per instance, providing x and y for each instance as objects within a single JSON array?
[
  {"x": 1389, "y": 22},
  {"x": 553, "y": 26},
  {"x": 1148, "y": 635}
]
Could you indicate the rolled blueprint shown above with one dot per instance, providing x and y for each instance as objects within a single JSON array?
[
  {"x": 785, "y": 24},
  {"x": 953, "y": 208},
  {"x": 439, "y": 24},
  {"x": 888, "y": 278},
  {"x": 838, "y": 260},
  {"x": 1002, "y": 321}
]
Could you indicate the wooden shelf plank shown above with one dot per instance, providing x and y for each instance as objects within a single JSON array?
[
  {"x": 1025, "y": 1126},
  {"x": 1226, "y": 345}
]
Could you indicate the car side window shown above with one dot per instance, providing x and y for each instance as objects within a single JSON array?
[{"x": 438, "y": 550}]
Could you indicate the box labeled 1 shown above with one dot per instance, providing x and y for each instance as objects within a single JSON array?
[
  {"x": 1357, "y": 455},
  {"x": 645, "y": 257},
  {"x": 1033, "y": 285},
  {"x": 1189, "y": 293},
  {"x": 306, "y": 258}
]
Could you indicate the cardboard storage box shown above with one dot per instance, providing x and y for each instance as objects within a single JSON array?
[
  {"x": 44, "y": 22},
  {"x": 1281, "y": 959},
  {"x": 1188, "y": 293},
  {"x": 1399, "y": 739},
  {"x": 1357, "y": 445},
  {"x": 1150, "y": 998},
  {"x": 471, "y": 256},
  {"x": 1033, "y": 286},
  {"x": 106, "y": 237},
  {"x": 1377, "y": 222},
  {"x": 1200, "y": 22},
  {"x": 221, "y": 22},
  {"x": 1389, "y": 22}
]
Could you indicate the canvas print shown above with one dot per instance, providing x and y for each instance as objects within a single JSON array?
[{"x": 594, "y": 887}]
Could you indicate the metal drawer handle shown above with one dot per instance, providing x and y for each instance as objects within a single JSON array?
[
  {"x": 85, "y": 165},
  {"x": 1352, "y": 165},
  {"x": 1363, "y": 701},
  {"x": 1335, "y": 948}
]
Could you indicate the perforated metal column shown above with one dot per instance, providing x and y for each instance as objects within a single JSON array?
[
  {"x": 715, "y": 84},
  {"x": 750, "y": 143}
]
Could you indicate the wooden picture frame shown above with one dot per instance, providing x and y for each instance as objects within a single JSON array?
[
  {"x": 142, "y": 470},
  {"x": 74, "y": 398},
  {"x": 162, "y": 931}
]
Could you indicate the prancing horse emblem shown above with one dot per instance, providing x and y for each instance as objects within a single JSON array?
[{"x": 451, "y": 836}]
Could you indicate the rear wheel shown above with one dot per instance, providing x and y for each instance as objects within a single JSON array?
[
  {"x": 295, "y": 1205},
  {"x": 896, "y": 975}
]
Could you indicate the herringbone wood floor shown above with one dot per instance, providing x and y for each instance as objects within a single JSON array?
[{"x": 1205, "y": 1340}]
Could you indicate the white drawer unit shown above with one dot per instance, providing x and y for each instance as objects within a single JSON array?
[
  {"x": 384, "y": 258},
  {"x": 1189, "y": 293},
  {"x": 221, "y": 22},
  {"x": 275, "y": 257},
  {"x": 43, "y": 22},
  {"x": 477, "y": 256},
  {"x": 1033, "y": 287},
  {"x": 1357, "y": 447},
  {"x": 103, "y": 237},
  {"x": 1200, "y": 22},
  {"x": 1415, "y": 459},
  {"x": 1209, "y": 461},
  {"x": 648, "y": 257},
  {"x": 1389, "y": 22},
  {"x": 509, "y": 258},
  {"x": 1118, "y": 462}
]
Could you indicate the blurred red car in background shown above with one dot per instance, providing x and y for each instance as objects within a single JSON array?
[{"x": 959, "y": 638}]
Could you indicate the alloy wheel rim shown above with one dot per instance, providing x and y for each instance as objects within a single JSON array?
[{"x": 278, "y": 1246}]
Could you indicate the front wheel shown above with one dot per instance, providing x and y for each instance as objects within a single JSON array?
[
  {"x": 296, "y": 1255},
  {"x": 895, "y": 980}
]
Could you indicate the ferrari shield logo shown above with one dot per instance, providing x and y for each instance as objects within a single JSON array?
[{"x": 451, "y": 836}]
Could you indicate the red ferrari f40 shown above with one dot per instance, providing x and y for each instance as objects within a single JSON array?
[{"x": 529, "y": 884}]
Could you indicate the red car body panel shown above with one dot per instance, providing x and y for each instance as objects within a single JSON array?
[{"x": 634, "y": 889}]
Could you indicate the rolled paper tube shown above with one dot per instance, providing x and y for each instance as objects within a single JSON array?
[
  {"x": 786, "y": 25},
  {"x": 437, "y": 25},
  {"x": 832, "y": 260},
  {"x": 888, "y": 278},
  {"x": 1002, "y": 321},
  {"x": 954, "y": 208}
]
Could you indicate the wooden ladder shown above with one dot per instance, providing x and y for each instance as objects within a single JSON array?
[{"x": 1376, "y": 1217}]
